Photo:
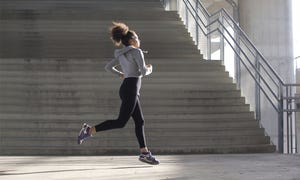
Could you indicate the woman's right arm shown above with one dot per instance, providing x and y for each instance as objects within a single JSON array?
[{"x": 111, "y": 67}]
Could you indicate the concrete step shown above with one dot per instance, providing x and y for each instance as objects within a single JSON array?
[
  {"x": 96, "y": 117},
  {"x": 155, "y": 133},
  {"x": 117, "y": 142},
  {"x": 102, "y": 61},
  {"x": 74, "y": 124},
  {"x": 113, "y": 94},
  {"x": 31, "y": 6},
  {"x": 78, "y": 75},
  {"x": 41, "y": 52},
  {"x": 213, "y": 149},
  {"x": 92, "y": 25},
  {"x": 91, "y": 100},
  {"x": 90, "y": 14},
  {"x": 114, "y": 87},
  {"x": 100, "y": 40},
  {"x": 36, "y": 150},
  {"x": 257, "y": 148},
  {"x": 68, "y": 46},
  {"x": 166, "y": 125},
  {"x": 62, "y": 34},
  {"x": 33, "y": 70},
  {"x": 95, "y": 47},
  {"x": 107, "y": 109},
  {"x": 75, "y": 53},
  {"x": 108, "y": 80},
  {"x": 167, "y": 67},
  {"x": 80, "y": 4},
  {"x": 93, "y": 43}
]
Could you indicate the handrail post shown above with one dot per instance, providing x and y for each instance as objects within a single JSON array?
[
  {"x": 296, "y": 134},
  {"x": 222, "y": 44},
  {"x": 257, "y": 90},
  {"x": 288, "y": 108},
  {"x": 186, "y": 18},
  {"x": 238, "y": 72},
  {"x": 280, "y": 121},
  {"x": 291, "y": 122},
  {"x": 235, "y": 9},
  {"x": 208, "y": 43},
  {"x": 197, "y": 27},
  {"x": 237, "y": 62}
]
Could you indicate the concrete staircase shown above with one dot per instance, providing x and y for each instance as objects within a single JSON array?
[{"x": 52, "y": 79}]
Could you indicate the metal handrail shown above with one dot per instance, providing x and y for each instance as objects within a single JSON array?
[
  {"x": 253, "y": 66},
  {"x": 241, "y": 32},
  {"x": 280, "y": 101}
]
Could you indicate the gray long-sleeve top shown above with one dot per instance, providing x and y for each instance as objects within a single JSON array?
[{"x": 132, "y": 63}]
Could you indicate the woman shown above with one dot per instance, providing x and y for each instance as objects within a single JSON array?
[{"x": 131, "y": 59}]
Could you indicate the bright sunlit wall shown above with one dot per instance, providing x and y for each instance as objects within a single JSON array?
[{"x": 296, "y": 30}]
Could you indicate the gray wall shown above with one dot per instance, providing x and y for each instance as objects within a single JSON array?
[{"x": 268, "y": 23}]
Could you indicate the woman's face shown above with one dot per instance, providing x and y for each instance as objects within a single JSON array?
[{"x": 135, "y": 41}]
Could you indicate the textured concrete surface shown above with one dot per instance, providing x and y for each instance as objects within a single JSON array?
[{"x": 195, "y": 167}]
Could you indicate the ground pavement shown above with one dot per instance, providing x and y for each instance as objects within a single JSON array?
[{"x": 172, "y": 167}]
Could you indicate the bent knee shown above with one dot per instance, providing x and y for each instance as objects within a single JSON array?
[
  {"x": 121, "y": 125},
  {"x": 140, "y": 123}
]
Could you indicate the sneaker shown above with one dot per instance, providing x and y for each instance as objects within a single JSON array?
[
  {"x": 148, "y": 158},
  {"x": 84, "y": 133}
]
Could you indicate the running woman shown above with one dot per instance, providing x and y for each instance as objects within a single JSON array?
[{"x": 132, "y": 62}]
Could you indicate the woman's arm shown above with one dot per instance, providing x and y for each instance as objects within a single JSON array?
[
  {"x": 111, "y": 67},
  {"x": 139, "y": 58}
]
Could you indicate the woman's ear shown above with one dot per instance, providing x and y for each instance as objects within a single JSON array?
[{"x": 132, "y": 41}]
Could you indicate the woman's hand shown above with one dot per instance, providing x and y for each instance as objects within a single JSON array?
[
  {"x": 121, "y": 76},
  {"x": 149, "y": 69},
  {"x": 149, "y": 66}
]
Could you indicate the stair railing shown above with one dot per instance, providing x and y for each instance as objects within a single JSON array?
[{"x": 219, "y": 31}]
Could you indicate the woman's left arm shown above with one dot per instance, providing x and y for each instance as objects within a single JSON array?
[
  {"x": 139, "y": 58},
  {"x": 111, "y": 67}
]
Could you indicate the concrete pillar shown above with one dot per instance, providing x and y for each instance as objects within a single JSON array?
[
  {"x": 171, "y": 5},
  {"x": 268, "y": 23}
]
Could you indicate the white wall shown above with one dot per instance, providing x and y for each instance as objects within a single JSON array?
[{"x": 268, "y": 23}]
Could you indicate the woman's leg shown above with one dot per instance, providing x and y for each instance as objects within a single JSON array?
[
  {"x": 138, "y": 118},
  {"x": 127, "y": 106},
  {"x": 139, "y": 121}
]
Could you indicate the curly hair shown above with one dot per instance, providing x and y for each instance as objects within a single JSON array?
[{"x": 120, "y": 34}]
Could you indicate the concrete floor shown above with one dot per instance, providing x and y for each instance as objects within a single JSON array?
[{"x": 175, "y": 167}]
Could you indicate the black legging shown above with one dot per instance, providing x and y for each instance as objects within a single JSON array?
[{"x": 130, "y": 107}]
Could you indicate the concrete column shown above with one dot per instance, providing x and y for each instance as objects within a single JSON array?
[
  {"x": 171, "y": 5},
  {"x": 268, "y": 23}
]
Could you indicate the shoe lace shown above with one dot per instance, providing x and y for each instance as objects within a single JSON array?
[{"x": 150, "y": 157}]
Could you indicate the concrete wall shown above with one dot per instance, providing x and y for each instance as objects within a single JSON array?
[{"x": 268, "y": 23}]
